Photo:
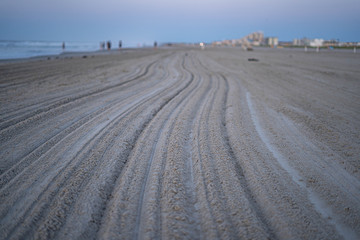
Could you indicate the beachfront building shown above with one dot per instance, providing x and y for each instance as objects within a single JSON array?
[
  {"x": 317, "y": 42},
  {"x": 272, "y": 41},
  {"x": 252, "y": 39},
  {"x": 301, "y": 42},
  {"x": 331, "y": 43},
  {"x": 255, "y": 38},
  {"x": 285, "y": 43},
  {"x": 349, "y": 44}
]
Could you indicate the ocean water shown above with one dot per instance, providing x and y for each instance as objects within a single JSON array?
[{"x": 26, "y": 49}]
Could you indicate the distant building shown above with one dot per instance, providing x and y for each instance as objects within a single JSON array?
[
  {"x": 331, "y": 43},
  {"x": 317, "y": 42},
  {"x": 255, "y": 38},
  {"x": 296, "y": 42},
  {"x": 301, "y": 42},
  {"x": 349, "y": 44},
  {"x": 252, "y": 39},
  {"x": 217, "y": 44},
  {"x": 285, "y": 43},
  {"x": 272, "y": 41}
]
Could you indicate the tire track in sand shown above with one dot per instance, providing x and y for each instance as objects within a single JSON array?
[
  {"x": 95, "y": 216},
  {"x": 129, "y": 190},
  {"x": 175, "y": 154},
  {"x": 39, "y": 113},
  {"x": 49, "y": 141},
  {"x": 320, "y": 205},
  {"x": 43, "y": 118},
  {"x": 234, "y": 190},
  {"x": 113, "y": 124},
  {"x": 169, "y": 187}
]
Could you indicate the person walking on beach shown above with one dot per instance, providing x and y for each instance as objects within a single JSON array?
[
  {"x": 63, "y": 46},
  {"x": 155, "y": 44},
  {"x": 108, "y": 45},
  {"x": 120, "y": 44}
]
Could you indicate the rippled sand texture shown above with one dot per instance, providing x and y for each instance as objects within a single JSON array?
[{"x": 181, "y": 144}]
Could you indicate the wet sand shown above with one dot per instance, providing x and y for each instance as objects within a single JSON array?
[{"x": 181, "y": 143}]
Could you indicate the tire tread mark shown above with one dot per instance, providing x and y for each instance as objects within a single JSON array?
[
  {"x": 15, "y": 122},
  {"x": 239, "y": 170},
  {"x": 87, "y": 144}
]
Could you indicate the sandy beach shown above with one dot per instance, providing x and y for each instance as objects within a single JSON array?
[{"x": 181, "y": 143}]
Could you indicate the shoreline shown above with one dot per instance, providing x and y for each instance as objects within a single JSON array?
[{"x": 71, "y": 54}]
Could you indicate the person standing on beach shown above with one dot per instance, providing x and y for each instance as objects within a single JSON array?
[
  {"x": 63, "y": 46},
  {"x": 155, "y": 44},
  {"x": 108, "y": 45},
  {"x": 120, "y": 44}
]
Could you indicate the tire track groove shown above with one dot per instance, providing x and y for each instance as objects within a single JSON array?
[
  {"x": 239, "y": 170},
  {"x": 95, "y": 137},
  {"x": 142, "y": 166},
  {"x": 166, "y": 181},
  {"x": 33, "y": 116},
  {"x": 45, "y": 145}
]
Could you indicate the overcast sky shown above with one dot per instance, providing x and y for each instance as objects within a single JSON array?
[{"x": 140, "y": 21}]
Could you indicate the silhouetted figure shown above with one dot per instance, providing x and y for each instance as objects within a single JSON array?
[
  {"x": 120, "y": 44},
  {"x": 63, "y": 46},
  {"x": 108, "y": 45},
  {"x": 155, "y": 44}
]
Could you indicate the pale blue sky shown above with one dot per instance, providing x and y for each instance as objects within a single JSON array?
[{"x": 140, "y": 21}]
